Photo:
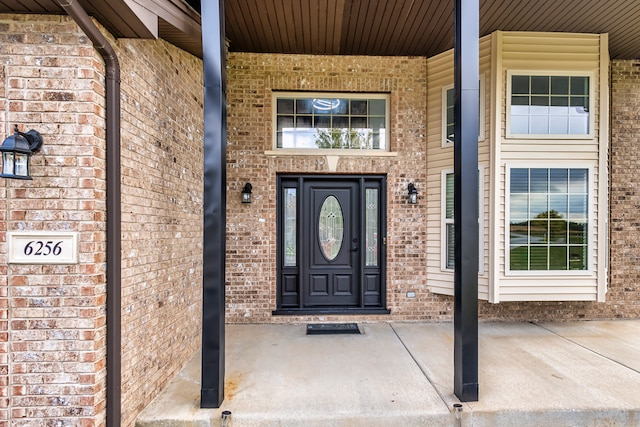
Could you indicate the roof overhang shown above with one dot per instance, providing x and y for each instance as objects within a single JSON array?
[{"x": 353, "y": 27}]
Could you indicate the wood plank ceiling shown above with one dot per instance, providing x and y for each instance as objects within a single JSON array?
[
  {"x": 415, "y": 27},
  {"x": 360, "y": 27}
]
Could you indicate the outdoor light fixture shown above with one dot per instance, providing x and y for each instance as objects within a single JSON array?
[
  {"x": 246, "y": 193},
  {"x": 16, "y": 153},
  {"x": 413, "y": 194}
]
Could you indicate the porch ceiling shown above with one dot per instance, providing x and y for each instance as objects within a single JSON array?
[
  {"x": 415, "y": 27},
  {"x": 354, "y": 27}
]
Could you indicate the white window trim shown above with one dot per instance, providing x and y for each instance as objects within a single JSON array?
[
  {"x": 593, "y": 238},
  {"x": 444, "y": 221},
  {"x": 446, "y": 143},
  {"x": 312, "y": 151},
  {"x": 592, "y": 104}
]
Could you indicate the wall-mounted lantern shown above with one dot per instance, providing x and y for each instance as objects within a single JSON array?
[
  {"x": 413, "y": 194},
  {"x": 16, "y": 153},
  {"x": 246, "y": 193}
]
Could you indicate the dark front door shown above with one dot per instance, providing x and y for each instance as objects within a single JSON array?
[
  {"x": 330, "y": 248},
  {"x": 330, "y": 261}
]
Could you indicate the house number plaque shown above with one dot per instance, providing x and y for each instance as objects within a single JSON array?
[{"x": 42, "y": 247}]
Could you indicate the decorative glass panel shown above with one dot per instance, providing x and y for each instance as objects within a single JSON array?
[
  {"x": 290, "y": 247},
  {"x": 331, "y": 228},
  {"x": 371, "y": 217}
]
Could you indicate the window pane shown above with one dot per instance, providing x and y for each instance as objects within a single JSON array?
[
  {"x": 289, "y": 227},
  {"x": 560, "y": 101},
  {"x": 539, "y": 180},
  {"x": 540, "y": 85},
  {"x": 558, "y": 205},
  {"x": 579, "y": 85},
  {"x": 540, "y": 101},
  {"x": 558, "y": 258},
  {"x": 519, "y": 207},
  {"x": 538, "y": 260},
  {"x": 540, "y": 125},
  {"x": 377, "y": 107},
  {"x": 577, "y": 206},
  {"x": 558, "y": 231},
  {"x": 519, "y": 180},
  {"x": 519, "y": 233},
  {"x": 303, "y": 106},
  {"x": 519, "y": 258},
  {"x": 303, "y": 122},
  {"x": 577, "y": 257},
  {"x": 559, "y": 180},
  {"x": 451, "y": 242},
  {"x": 520, "y": 84},
  {"x": 449, "y": 196},
  {"x": 578, "y": 125},
  {"x": 520, "y": 100},
  {"x": 284, "y": 106},
  {"x": 577, "y": 233},
  {"x": 578, "y": 180},
  {"x": 539, "y": 232},
  {"x": 560, "y": 85},
  {"x": 559, "y": 125},
  {"x": 358, "y": 107},
  {"x": 371, "y": 195},
  {"x": 520, "y": 124}
]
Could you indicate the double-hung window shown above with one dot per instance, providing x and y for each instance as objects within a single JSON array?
[
  {"x": 448, "y": 229},
  {"x": 549, "y": 106},
  {"x": 331, "y": 121},
  {"x": 548, "y": 219}
]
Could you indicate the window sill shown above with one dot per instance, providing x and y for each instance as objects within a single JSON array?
[{"x": 329, "y": 152}]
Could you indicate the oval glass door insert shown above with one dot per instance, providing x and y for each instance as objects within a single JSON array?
[{"x": 331, "y": 228}]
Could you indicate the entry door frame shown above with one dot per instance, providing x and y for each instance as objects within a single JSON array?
[{"x": 290, "y": 296}]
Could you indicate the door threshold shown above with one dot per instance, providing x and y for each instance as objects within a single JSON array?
[{"x": 333, "y": 310}]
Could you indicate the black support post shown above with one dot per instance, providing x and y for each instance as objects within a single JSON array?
[
  {"x": 214, "y": 249},
  {"x": 466, "y": 114}
]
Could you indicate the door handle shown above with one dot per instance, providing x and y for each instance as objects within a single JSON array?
[{"x": 354, "y": 246}]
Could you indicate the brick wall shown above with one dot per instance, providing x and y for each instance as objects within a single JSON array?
[
  {"x": 251, "y": 245},
  {"x": 162, "y": 176},
  {"x": 53, "y": 323},
  {"x": 52, "y": 318}
]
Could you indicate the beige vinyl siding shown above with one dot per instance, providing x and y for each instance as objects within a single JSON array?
[
  {"x": 552, "y": 54},
  {"x": 526, "y": 53},
  {"x": 439, "y": 158}
]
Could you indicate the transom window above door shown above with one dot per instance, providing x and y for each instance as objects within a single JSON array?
[{"x": 331, "y": 121}]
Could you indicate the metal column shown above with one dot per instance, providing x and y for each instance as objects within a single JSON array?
[
  {"x": 214, "y": 250},
  {"x": 466, "y": 114}
]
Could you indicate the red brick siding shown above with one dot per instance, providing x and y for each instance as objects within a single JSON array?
[
  {"x": 53, "y": 323},
  {"x": 52, "y": 318}
]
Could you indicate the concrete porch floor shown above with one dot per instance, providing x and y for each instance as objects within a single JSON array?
[{"x": 401, "y": 374}]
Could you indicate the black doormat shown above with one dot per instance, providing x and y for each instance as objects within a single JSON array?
[{"x": 332, "y": 328}]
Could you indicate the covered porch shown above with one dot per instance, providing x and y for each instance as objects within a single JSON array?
[{"x": 531, "y": 374}]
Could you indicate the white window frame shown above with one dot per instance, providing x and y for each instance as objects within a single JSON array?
[
  {"x": 445, "y": 221},
  {"x": 324, "y": 95},
  {"x": 592, "y": 104},
  {"x": 446, "y": 142},
  {"x": 592, "y": 241}
]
